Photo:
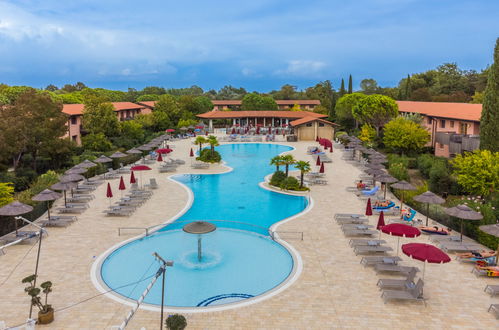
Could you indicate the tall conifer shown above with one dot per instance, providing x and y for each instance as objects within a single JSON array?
[
  {"x": 350, "y": 89},
  {"x": 489, "y": 122},
  {"x": 342, "y": 88}
]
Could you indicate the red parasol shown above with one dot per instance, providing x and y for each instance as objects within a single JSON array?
[
  {"x": 132, "y": 178},
  {"x": 233, "y": 131},
  {"x": 381, "y": 220},
  {"x": 160, "y": 158},
  {"x": 369, "y": 209},
  {"x": 257, "y": 129},
  {"x": 400, "y": 230},
  {"x": 191, "y": 154},
  {"x": 164, "y": 151},
  {"x": 425, "y": 253},
  {"x": 170, "y": 130},
  {"x": 318, "y": 161},
  {"x": 122, "y": 184},
  {"x": 140, "y": 168},
  {"x": 321, "y": 170},
  {"x": 109, "y": 192}
]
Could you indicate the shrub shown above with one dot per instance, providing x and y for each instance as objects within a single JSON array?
[
  {"x": 290, "y": 183},
  {"x": 399, "y": 171},
  {"x": 424, "y": 164},
  {"x": 207, "y": 156},
  {"x": 394, "y": 159},
  {"x": 340, "y": 133},
  {"x": 176, "y": 322},
  {"x": 440, "y": 180},
  {"x": 277, "y": 178}
]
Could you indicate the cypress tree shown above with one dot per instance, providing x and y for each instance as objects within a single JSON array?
[
  {"x": 408, "y": 87},
  {"x": 489, "y": 122},
  {"x": 342, "y": 88},
  {"x": 350, "y": 89}
]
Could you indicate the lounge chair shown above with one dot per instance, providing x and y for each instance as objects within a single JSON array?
[
  {"x": 119, "y": 213},
  {"x": 348, "y": 216},
  {"x": 22, "y": 237},
  {"x": 54, "y": 222},
  {"x": 366, "y": 242},
  {"x": 89, "y": 196},
  {"x": 371, "y": 249},
  {"x": 350, "y": 226},
  {"x": 374, "y": 260},
  {"x": 324, "y": 158},
  {"x": 166, "y": 169},
  {"x": 152, "y": 184},
  {"x": 80, "y": 199},
  {"x": 74, "y": 209},
  {"x": 358, "y": 232},
  {"x": 492, "y": 271},
  {"x": 394, "y": 284},
  {"x": 492, "y": 289},
  {"x": 370, "y": 192},
  {"x": 494, "y": 308},
  {"x": 357, "y": 221},
  {"x": 459, "y": 247},
  {"x": 415, "y": 293},
  {"x": 393, "y": 269}
]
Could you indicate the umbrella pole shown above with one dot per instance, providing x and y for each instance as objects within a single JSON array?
[
  {"x": 65, "y": 198},
  {"x": 427, "y": 213},
  {"x": 398, "y": 244},
  {"x": 48, "y": 210},
  {"x": 384, "y": 196},
  {"x": 461, "y": 230}
]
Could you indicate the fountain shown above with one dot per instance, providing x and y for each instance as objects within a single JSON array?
[{"x": 199, "y": 228}]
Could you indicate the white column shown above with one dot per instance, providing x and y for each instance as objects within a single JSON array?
[
  {"x": 263, "y": 121},
  {"x": 315, "y": 129},
  {"x": 233, "y": 121},
  {"x": 273, "y": 122},
  {"x": 211, "y": 125}
]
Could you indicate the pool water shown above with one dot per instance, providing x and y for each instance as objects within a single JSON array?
[{"x": 240, "y": 260}]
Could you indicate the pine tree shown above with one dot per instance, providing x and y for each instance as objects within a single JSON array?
[
  {"x": 350, "y": 88},
  {"x": 408, "y": 87},
  {"x": 489, "y": 122},
  {"x": 342, "y": 88}
]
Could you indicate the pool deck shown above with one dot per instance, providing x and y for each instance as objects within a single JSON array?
[{"x": 333, "y": 291}]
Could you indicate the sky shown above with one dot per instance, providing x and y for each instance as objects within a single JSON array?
[{"x": 258, "y": 44}]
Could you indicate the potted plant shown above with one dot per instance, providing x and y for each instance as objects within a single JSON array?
[
  {"x": 176, "y": 322},
  {"x": 46, "y": 312}
]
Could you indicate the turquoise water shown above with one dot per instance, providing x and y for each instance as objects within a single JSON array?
[{"x": 239, "y": 261}]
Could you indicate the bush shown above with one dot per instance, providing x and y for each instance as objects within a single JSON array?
[
  {"x": 340, "y": 133},
  {"x": 399, "y": 171},
  {"x": 176, "y": 322},
  {"x": 424, "y": 164},
  {"x": 277, "y": 178},
  {"x": 290, "y": 183},
  {"x": 440, "y": 180},
  {"x": 397, "y": 159},
  {"x": 207, "y": 157}
]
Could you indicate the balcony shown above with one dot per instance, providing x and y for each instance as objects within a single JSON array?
[{"x": 458, "y": 143}]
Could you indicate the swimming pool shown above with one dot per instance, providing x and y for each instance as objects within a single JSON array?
[{"x": 240, "y": 260}]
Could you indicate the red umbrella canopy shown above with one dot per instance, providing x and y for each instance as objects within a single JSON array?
[
  {"x": 164, "y": 151},
  {"x": 109, "y": 192},
  {"x": 233, "y": 131},
  {"x": 257, "y": 129},
  {"x": 381, "y": 220},
  {"x": 369, "y": 209},
  {"x": 191, "y": 154},
  {"x": 400, "y": 229},
  {"x": 122, "y": 184},
  {"x": 140, "y": 168},
  {"x": 160, "y": 158},
  {"x": 132, "y": 178},
  {"x": 318, "y": 162},
  {"x": 425, "y": 252},
  {"x": 321, "y": 170},
  {"x": 170, "y": 130}
]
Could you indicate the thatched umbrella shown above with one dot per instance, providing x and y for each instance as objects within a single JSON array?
[
  {"x": 385, "y": 179},
  {"x": 64, "y": 186},
  {"x": 86, "y": 164},
  {"x": 145, "y": 147},
  {"x": 494, "y": 231},
  {"x": 134, "y": 151},
  {"x": 463, "y": 212},
  {"x": 375, "y": 166},
  {"x": 103, "y": 159},
  {"x": 71, "y": 178},
  {"x": 429, "y": 198},
  {"x": 403, "y": 185},
  {"x": 15, "y": 208},
  {"x": 76, "y": 170},
  {"x": 118, "y": 154},
  {"x": 46, "y": 196}
]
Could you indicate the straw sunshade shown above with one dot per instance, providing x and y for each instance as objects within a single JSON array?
[
  {"x": 118, "y": 154},
  {"x": 76, "y": 170},
  {"x": 15, "y": 208},
  {"x": 375, "y": 166},
  {"x": 374, "y": 172},
  {"x": 463, "y": 212},
  {"x": 494, "y": 231},
  {"x": 385, "y": 179},
  {"x": 86, "y": 164},
  {"x": 46, "y": 196},
  {"x": 403, "y": 185},
  {"x": 103, "y": 159},
  {"x": 145, "y": 147},
  {"x": 370, "y": 151},
  {"x": 134, "y": 151},
  {"x": 71, "y": 178},
  {"x": 429, "y": 198},
  {"x": 64, "y": 186}
]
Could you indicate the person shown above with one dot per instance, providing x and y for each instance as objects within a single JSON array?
[
  {"x": 361, "y": 185},
  {"x": 477, "y": 254},
  {"x": 435, "y": 229},
  {"x": 381, "y": 203}
]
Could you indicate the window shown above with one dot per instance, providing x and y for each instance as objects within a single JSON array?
[
  {"x": 73, "y": 120},
  {"x": 74, "y": 137},
  {"x": 452, "y": 124},
  {"x": 442, "y": 123},
  {"x": 321, "y": 124},
  {"x": 429, "y": 120},
  {"x": 309, "y": 125},
  {"x": 440, "y": 145}
]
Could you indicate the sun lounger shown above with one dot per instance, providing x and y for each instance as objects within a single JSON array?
[
  {"x": 442, "y": 238},
  {"x": 348, "y": 215},
  {"x": 370, "y": 192},
  {"x": 366, "y": 242},
  {"x": 494, "y": 308},
  {"x": 152, "y": 184},
  {"x": 393, "y": 269},
  {"x": 179, "y": 161},
  {"x": 373, "y": 260},
  {"x": 90, "y": 196},
  {"x": 371, "y": 249},
  {"x": 492, "y": 289},
  {"x": 167, "y": 169},
  {"x": 358, "y": 232},
  {"x": 23, "y": 237},
  {"x": 486, "y": 272},
  {"x": 459, "y": 247},
  {"x": 119, "y": 213},
  {"x": 54, "y": 222},
  {"x": 74, "y": 209},
  {"x": 415, "y": 293},
  {"x": 324, "y": 158},
  {"x": 79, "y": 199},
  {"x": 357, "y": 221},
  {"x": 350, "y": 226},
  {"x": 394, "y": 284}
]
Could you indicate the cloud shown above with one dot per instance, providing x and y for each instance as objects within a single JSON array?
[{"x": 303, "y": 68}]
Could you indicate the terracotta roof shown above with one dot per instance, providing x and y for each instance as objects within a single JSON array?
[
  {"x": 309, "y": 119},
  {"x": 279, "y": 102},
  {"x": 77, "y": 109},
  {"x": 463, "y": 111},
  {"x": 259, "y": 114},
  {"x": 149, "y": 104}
]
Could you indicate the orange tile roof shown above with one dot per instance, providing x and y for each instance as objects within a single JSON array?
[
  {"x": 150, "y": 104},
  {"x": 259, "y": 114},
  {"x": 462, "y": 111},
  {"x": 279, "y": 102},
  {"x": 309, "y": 119},
  {"x": 77, "y": 109}
]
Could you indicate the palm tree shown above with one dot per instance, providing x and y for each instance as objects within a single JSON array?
[
  {"x": 212, "y": 140},
  {"x": 287, "y": 160},
  {"x": 277, "y": 161},
  {"x": 304, "y": 167},
  {"x": 200, "y": 140}
]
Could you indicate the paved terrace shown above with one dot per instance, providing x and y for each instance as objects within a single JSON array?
[{"x": 333, "y": 291}]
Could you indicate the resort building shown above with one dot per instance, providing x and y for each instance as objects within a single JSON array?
[
  {"x": 454, "y": 127},
  {"x": 281, "y": 104},
  {"x": 124, "y": 111}
]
